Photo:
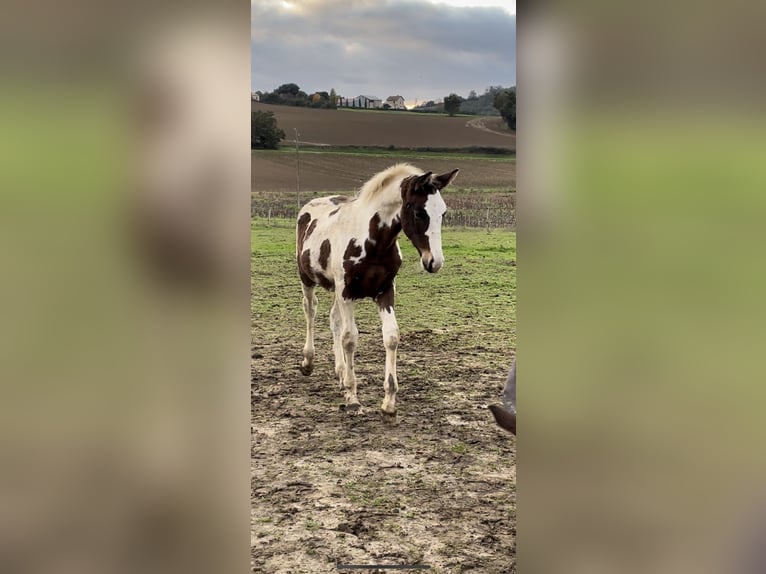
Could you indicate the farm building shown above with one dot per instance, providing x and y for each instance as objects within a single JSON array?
[
  {"x": 396, "y": 102},
  {"x": 366, "y": 102},
  {"x": 255, "y": 96}
]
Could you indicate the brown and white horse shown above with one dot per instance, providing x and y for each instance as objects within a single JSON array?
[{"x": 349, "y": 245}]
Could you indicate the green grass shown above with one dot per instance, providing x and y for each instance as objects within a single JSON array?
[
  {"x": 473, "y": 298},
  {"x": 459, "y": 448}
]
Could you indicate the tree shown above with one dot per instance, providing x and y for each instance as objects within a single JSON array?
[
  {"x": 472, "y": 95},
  {"x": 505, "y": 102},
  {"x": 291, "y": 89},
  {"x": 333, "y": 99},
  {"x": 271, "y": 98},
  {"x": 264, "y": 132},
  {"x": 452, "y": 104}
]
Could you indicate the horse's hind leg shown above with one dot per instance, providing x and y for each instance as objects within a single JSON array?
[
  {"x": 336, "y": 326},
  {"x": 310, "y": 311}
]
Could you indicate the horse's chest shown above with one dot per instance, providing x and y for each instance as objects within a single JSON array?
[{"x": 370, "y": 275}]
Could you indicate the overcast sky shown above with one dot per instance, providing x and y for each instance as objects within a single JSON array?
[{"x": 420, "y": 49}]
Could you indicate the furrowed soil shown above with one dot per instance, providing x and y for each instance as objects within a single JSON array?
[
  {"x": 383, "y": 128},
  {"x": 275, "y": 171},
  {"x": 437, "y": 487}
]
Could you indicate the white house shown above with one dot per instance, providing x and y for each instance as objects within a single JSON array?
[
  {"x": 396, "y": 102},
  {"x": 255, "y": 96},
  {"x": 365, "y": 102}
]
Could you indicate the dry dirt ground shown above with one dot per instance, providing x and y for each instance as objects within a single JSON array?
[
  {"x": 438, "y": 486},
  {"x": 379, "y": 128},
  {"x": 275, "y": 171}
]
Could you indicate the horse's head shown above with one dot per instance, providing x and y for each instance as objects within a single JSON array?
[{"x": 422, "y": 212}]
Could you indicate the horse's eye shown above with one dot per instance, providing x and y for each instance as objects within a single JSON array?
[{"x": 420, "y": 214}]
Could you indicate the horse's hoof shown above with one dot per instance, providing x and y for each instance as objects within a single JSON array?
[
  {"x": 352, "y": 408},
  {"x": 306, "y": 371},
  {"x": 388, "y": 418}
]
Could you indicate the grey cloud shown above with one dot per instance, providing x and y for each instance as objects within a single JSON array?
[{"x": 382, "y": 47}]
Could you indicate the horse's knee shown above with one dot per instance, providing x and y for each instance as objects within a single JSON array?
[
  {"x": 348, "y": 340},
  {"x": 310, "y": 304},
  {"x": 391, "y": 340}
]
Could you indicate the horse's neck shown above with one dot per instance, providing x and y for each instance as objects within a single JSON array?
[
  {"x": 383, "y": 223},
  {"x": 388, "y": 205}
]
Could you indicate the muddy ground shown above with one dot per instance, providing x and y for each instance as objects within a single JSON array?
[{"x": 438, "y": 486}]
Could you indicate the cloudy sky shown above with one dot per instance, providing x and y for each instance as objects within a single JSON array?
[{"x": 420, "y": 49}]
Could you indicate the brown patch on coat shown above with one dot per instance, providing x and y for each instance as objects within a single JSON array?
[
  {"x": 415, "y": 219},
  {"x": 311, "y": 228},
  {"x": 373, "y": 275},
  {"x": 385, "y": 300},
  {"x": 324, "y": 253},
  {"x": 303, "y": 222},
  {"x": 304, "y": 269},
  {"x": 325, "y": 282},
  {"x": 352, "y": 250}
]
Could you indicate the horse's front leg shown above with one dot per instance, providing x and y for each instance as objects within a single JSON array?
[
  {"x": 391, "y": 342},
  {"x": 348, "y": 338}
]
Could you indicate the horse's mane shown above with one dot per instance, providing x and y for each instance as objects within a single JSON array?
[{"x": 381, "y": 181}]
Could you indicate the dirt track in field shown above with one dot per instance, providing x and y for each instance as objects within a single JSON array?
[{"x": 374, "y": 128}]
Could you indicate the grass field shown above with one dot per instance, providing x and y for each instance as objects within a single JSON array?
[{"x": 437, "y": 487}]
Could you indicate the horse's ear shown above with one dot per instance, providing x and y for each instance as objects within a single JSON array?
[
  {"x": 445, "y": 179},
  {"x": 425, "y": 178}
]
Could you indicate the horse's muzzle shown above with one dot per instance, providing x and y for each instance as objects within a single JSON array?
[{"x": 430, "y": 264}]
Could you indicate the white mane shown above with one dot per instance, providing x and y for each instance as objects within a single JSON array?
[{"x": 383, "y": 181}]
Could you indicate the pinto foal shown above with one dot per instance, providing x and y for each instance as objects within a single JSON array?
[{"x": 349, "y": 245}]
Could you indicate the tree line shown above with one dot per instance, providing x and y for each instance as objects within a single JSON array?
[
  {"x": 495, "y": 99},
  {"x": 292, "y": 95},
  {"x": 266, "y": 134}
]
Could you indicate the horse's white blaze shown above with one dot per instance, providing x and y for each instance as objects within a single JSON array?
[{"x": 435, "y": 207}]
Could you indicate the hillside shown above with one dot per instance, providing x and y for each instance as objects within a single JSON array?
[{"x": 344, "y": 127}]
